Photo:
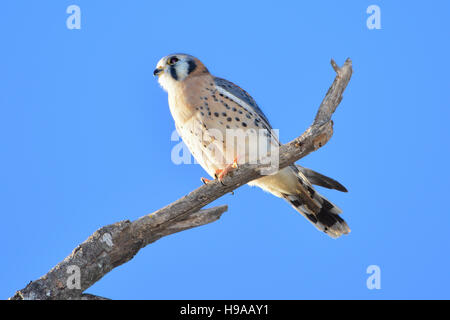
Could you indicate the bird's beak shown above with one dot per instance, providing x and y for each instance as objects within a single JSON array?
[{"x": 158, "y": 71}]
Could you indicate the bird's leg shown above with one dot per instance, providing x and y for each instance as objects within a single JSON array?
[{"x": 221, "y": 173}]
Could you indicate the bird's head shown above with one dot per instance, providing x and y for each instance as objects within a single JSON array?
[{"x": 176, "y": 68}]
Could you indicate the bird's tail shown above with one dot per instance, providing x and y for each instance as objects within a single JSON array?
[
  {"x": 327, "y": 218},
  {"x": 293, "y": 185},
  {"x": 323, "y": 214}
]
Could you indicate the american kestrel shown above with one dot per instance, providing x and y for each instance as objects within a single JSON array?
[{"x": 205, "y": 108}]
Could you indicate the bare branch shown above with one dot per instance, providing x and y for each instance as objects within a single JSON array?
[
  {"x": 116, "y": 244},
  {"x": 107, "y": 248},
  {"x": 87, "y": 296}
]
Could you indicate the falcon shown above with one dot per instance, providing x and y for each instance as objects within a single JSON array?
[{"x": 206, "y": 108}]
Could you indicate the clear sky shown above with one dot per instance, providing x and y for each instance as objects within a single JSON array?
[{"x": 86, "y": 141}]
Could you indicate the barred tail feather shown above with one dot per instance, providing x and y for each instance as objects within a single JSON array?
[
  {"x": 319, "y": 179},
  {"x": 292, "y": 185},
  {"x": 326, "y": 220}
]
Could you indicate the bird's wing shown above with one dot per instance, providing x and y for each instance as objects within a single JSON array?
[{"x": 241, "y": 97}]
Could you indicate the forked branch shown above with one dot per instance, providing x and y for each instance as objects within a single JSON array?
[{"x": 115, "y": 244}]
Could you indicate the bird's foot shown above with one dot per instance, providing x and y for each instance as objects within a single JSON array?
[
  {"x": 205, "y": 181},
  {"x": 221, "y": 173}
]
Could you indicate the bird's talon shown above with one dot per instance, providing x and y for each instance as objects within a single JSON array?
[
  {"x": 205, "y": 181},
  {"x": 235, "y": 164},
  {"x": 221, "y": 173}
]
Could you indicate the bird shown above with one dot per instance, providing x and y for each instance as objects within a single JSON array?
[{"x": 205, "y": 108}]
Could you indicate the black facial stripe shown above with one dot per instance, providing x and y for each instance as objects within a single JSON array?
[
  {"x": 173, "y": 72},
  {"x": 192, "y": 66}
]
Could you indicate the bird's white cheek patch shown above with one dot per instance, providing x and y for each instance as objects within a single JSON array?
[{"x": 182, "y": 70}]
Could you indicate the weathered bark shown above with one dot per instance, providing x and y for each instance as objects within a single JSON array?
[{"x": 116, "y": 244}]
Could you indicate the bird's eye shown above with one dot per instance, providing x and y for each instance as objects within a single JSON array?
[{"x": 172, "y": 60}]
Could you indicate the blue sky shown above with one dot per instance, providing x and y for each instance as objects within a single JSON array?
[{"x": 85, "y": 142}]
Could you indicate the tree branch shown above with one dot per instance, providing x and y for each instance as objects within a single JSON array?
[{"x": 115, "y": 244}]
